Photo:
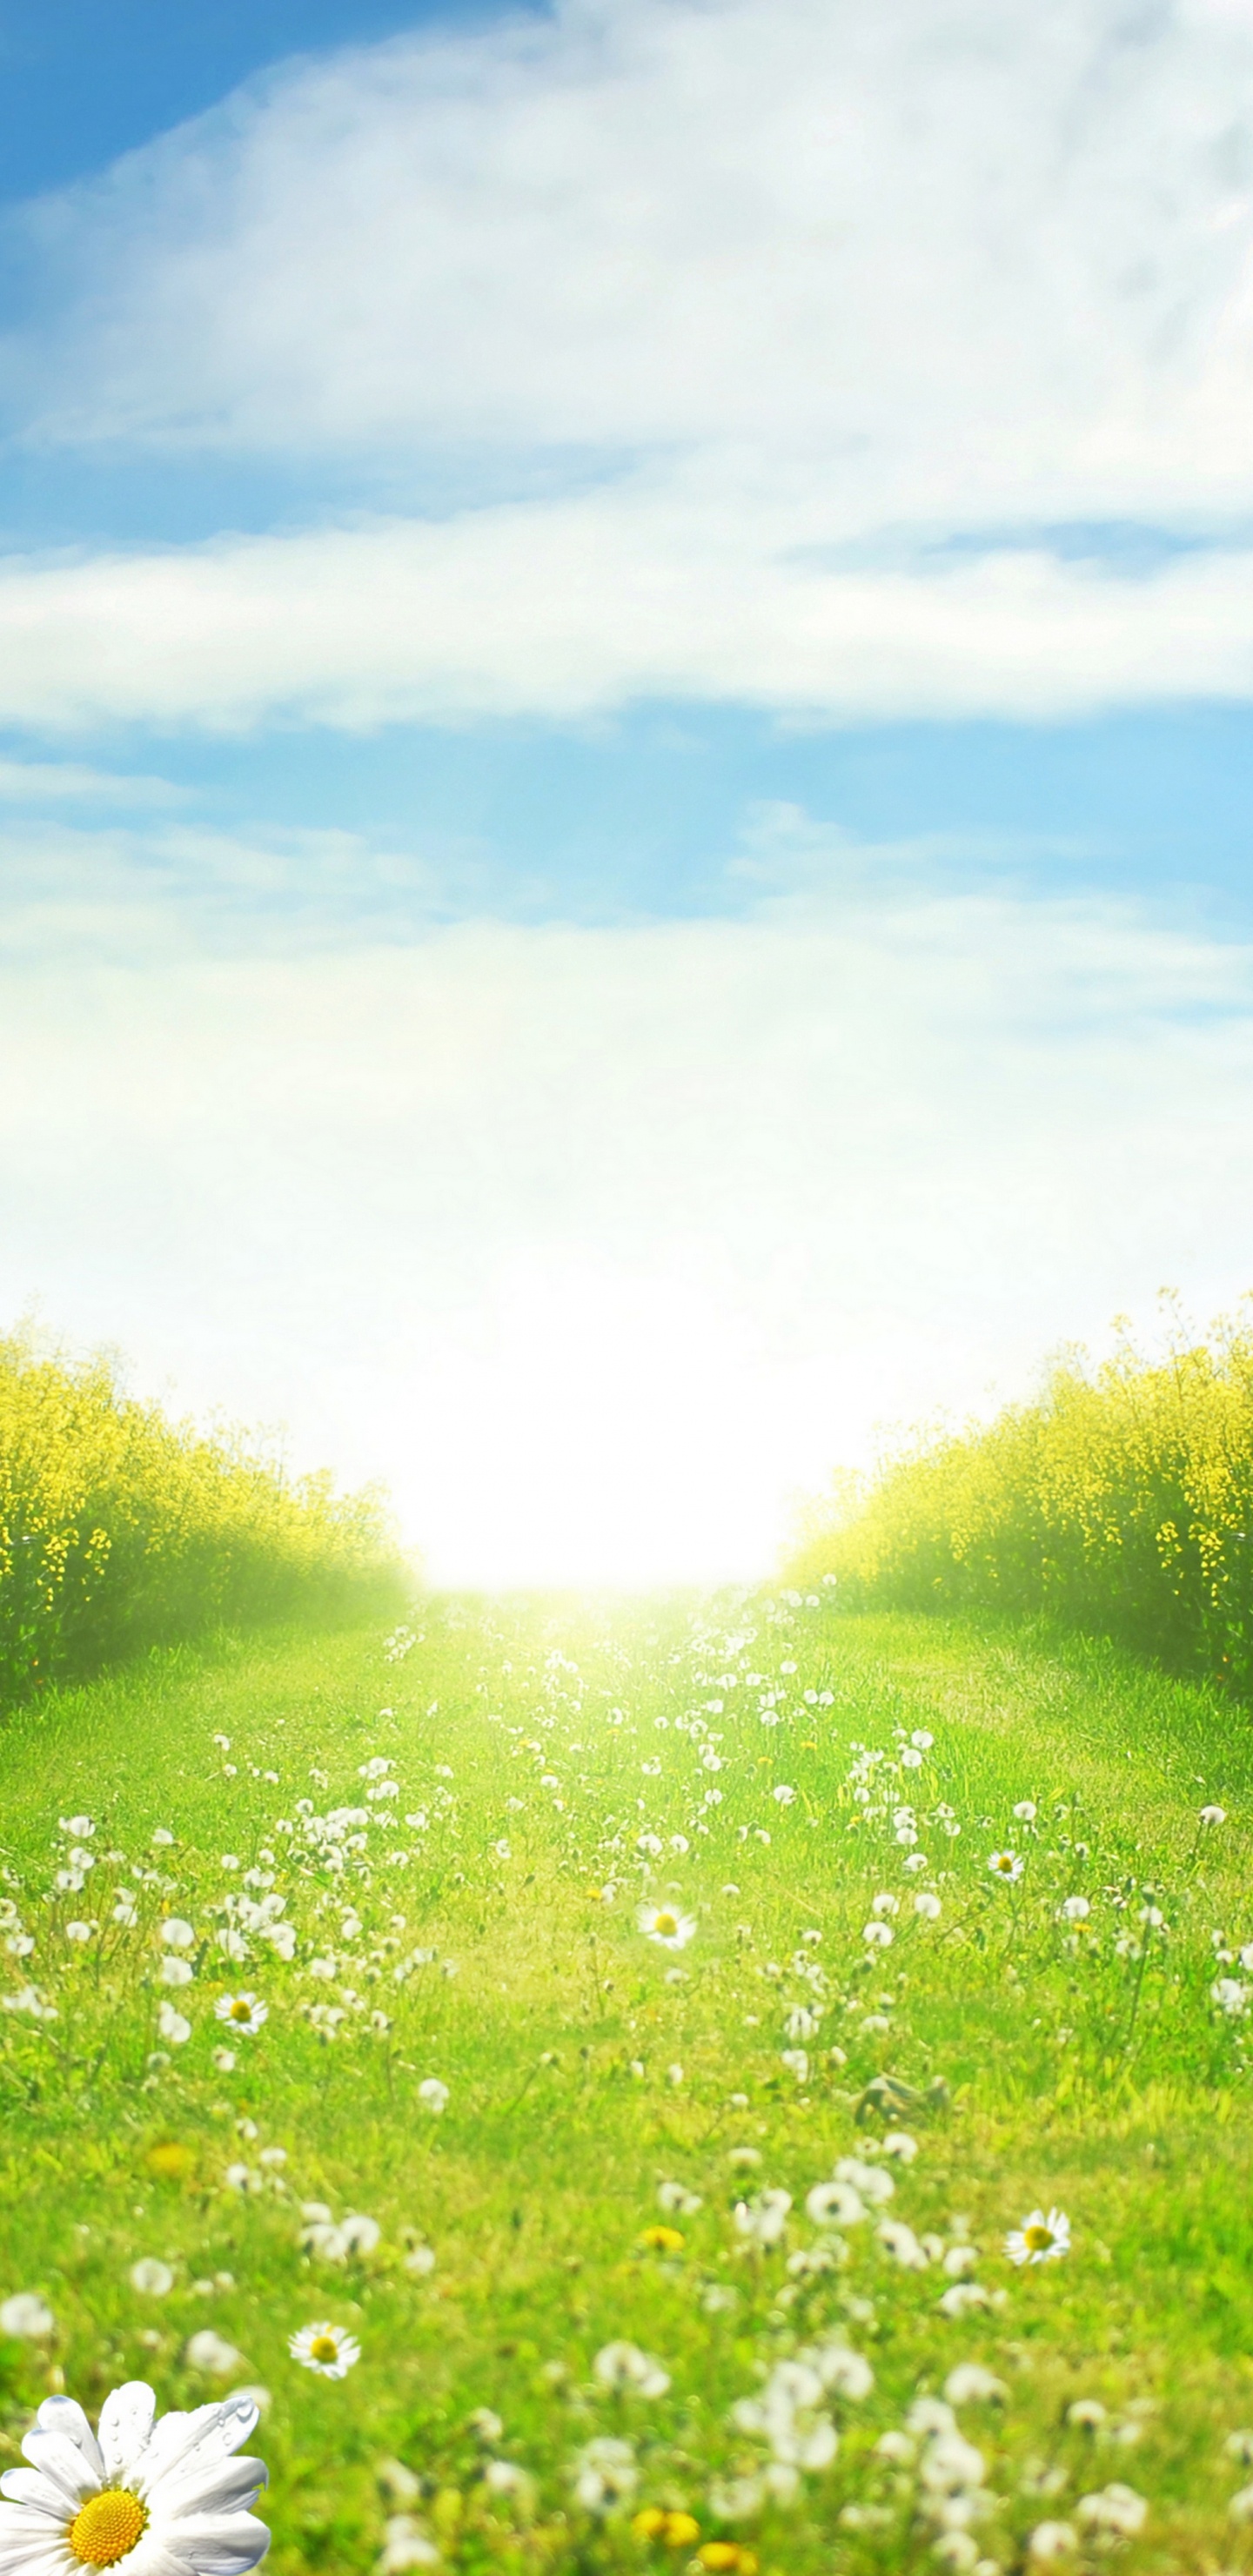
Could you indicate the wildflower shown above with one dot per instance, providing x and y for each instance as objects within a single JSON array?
[
  {"x": 660, "y": 2240},
  {"x": 885, "y": 1904},
  {"x": 763, "y": 2219},
  {"x": 159, "y": 2481},
  {"x": 175, "y": 1972},
  {"x": 1230, "y": 1996},
  {"x": 927, "y": 1906},
  {"x": 360, "y": 2235},
  {"x": 960, "y": 2259},
  {"x": 28, "y": 1999},
  {"x": 1026, "y": 1811},
  {"x": 676, "y": 2197},
  {"x": 900, "y": 2240},
  {"x": 433, "y": 2095},
  {"x": 801, "y": 2023},
  {"x": 153, "y": 2279},
  {"x": 224, "y": 2060},
  {"x": 176, "y": 1934},
  {"x": 325, "y": 2348},
  {"x": 1239, "y": 2446},
  {"x": 485, "y": 2425},
  {"x": 419, "y": 2259},
  {"x": 970, "y": 2384},
  {"x": 1241, "y": 2505},
  {"x": 170, "y": 2160},
  {"x": 1074, "y": 1909},
  {"x": 870, "y": 2180},
  {"x": 211, "y": 2353},
  {"x": 1087, "y": 2412},
  {"x": 783, "y": 1796},
  {"x": 1052, "y": 2540},
  {"x": 898, "y": 2143},
  {"x": 1116, "y": 2511},
  {"x": 1213, "y": 1816},
  {"x": 846, "y": 2373},
  {"x": 670, "y": 1930},
  {"x": 623, "y": 2366},
  {"x": 245, "y": 2012},
  {"x": 1005, "y": 1864},
  {"x": 796, "y": 2062},
  {"x": 1039, "y": 2239},
  {"x": 25, "y": 2315},
  {"x": 405, "y": 2544},
  {"x": 604, "y": 2474},
  {"x": 964, "y": 2295},
  {"x": 173, "y": 2025},
  {"x": 878, "y": 1936},
  {"x": 675, "y": 2530}
]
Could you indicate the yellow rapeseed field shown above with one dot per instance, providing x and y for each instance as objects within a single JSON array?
[
  {"x": 120, "y": 1529},
  {"x": 1121, "y": 1500}
]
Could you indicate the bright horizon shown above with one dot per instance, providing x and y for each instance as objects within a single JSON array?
[{"x": 626, "y": 704}]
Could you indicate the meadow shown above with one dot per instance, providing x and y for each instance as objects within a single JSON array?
[{"x": 717, "y": 2084}]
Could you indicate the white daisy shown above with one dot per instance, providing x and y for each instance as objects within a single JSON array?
[
  {"x": 1039, "y": 2239},
  {"x": 161, "y": 2495},
  {"x": 623, "y": 2365},
  {"x": 326, "y": 2349},
  {"x": 661, "y": 1924},
  {"x": 244, "y": 2012},
  {"x": 1005, "y": 1864}
]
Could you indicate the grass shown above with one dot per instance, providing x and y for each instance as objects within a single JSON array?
[{"x": 1085, "y": 2061}]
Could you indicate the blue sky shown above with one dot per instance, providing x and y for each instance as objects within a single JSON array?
[{"x": 626, "y": 693}]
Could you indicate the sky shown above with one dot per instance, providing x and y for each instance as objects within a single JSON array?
[{"x": 626, "y": 711}]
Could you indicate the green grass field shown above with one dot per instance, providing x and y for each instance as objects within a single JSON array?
[{"x": 430, "y": 1867}]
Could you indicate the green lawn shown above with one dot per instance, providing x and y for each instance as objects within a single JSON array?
[{"x": 465, "y": 1915}]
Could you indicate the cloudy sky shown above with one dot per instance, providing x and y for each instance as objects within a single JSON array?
[{"x": 626, "y": 699}]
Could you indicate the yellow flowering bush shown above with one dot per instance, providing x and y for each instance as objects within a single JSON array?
[
  {"x": 120, "y": 1529},
  {"x": 1121, "y": 1501}
]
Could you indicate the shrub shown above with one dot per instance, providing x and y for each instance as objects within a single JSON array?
[
  {"x": 1120, "y": 1501},
  {"x": 120, "y": 1529}
]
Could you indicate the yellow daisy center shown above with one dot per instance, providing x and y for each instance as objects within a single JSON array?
[
  {"x": 667, "y": 1925},
  {"x": 240, "y": 2011},
  {"x": 107, "y": 2527},
  {"x": 324, "y": 2348},
  {"x": 1037, "y": 2239}
]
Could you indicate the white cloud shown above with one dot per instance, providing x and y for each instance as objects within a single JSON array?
[
  {"x": 732, "y": 313},
  {"x": 787, "y": 225},
  {"x": 599, "y": 1244},
  {"x": 572, "y": 609}
]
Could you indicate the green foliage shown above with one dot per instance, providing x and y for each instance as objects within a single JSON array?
[
  {"x": 1120, "y": 1502},
  {"x": 121, "y": 1530},
  {"x": 553, "y": 1772}
]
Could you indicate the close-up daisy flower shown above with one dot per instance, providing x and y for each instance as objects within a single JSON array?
[
  {"x": 1039, "y": 2239},
  {"x": 1005, "y": 1864},
  {"x": 328, "y": 2349},
  {"x": 244, "y": 2012},
  {"x": 159, "y": 2495},
  {"x": 661, "y": 1924}
]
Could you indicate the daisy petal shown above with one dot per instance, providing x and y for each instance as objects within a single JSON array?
[
  {"x": 217, "y": 2544},
  {"x": 126, "y": 2419},
  {"x": 64, "y": 2416},
  {"x": 206, "y": 2486}
]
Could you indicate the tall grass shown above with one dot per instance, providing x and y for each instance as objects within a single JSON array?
[
  {"x": 1121, "y": 1501},
  {"x": 120, "y": 1529}
]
